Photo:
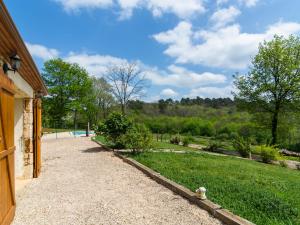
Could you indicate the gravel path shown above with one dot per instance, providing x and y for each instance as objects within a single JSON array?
[{"x": 82, "y": 184}]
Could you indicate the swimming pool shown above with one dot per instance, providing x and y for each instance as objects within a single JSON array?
[{"x": 81, "y": 133}]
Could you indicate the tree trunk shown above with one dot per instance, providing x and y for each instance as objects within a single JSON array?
[
  {"x": 274, "y": 126},
  {"x": 123, "y": 108}
]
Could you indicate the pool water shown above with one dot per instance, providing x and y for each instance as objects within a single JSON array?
[{"x": 81, "y": 133}]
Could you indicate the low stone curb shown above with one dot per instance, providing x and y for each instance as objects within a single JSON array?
[{"x": 215, "y": 210}]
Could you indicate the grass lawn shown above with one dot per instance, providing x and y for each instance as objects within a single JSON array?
[
  {"x": 264, "y": 194},
  {"x": 157, "y": 145},
  {"x": 292, "y": 158},
  {"x": 166, "y": 145},
  {"x": 102, "y": 139}
]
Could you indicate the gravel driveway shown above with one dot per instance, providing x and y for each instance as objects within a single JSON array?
[{"x": 82, "y": 184}]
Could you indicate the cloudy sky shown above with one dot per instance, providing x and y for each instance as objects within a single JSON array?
[{"x": 186, "y": 47}]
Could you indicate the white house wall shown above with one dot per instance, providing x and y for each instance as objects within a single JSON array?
[
  {"x": 23, "y": 126},
  {"x": 19, "y": 143},
  {"x": 24, "y": 90}
]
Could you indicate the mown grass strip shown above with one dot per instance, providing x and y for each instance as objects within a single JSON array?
[{"x": 263, "y": 194}]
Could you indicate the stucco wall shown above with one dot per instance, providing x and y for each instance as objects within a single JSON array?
[
  {"x": 19, "y": 153},
  {"x": 23, "y": 125},
  {"x": 24, "y": 90}
]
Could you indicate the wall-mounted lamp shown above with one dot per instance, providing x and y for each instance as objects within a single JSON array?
[
  {"x": 15, "y": 62},
  {"x": 39, "y": 94}
]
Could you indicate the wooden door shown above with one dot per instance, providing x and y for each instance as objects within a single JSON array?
[
  {"x": 37, "y": 115},
  {"x": 7, "y": 148}
]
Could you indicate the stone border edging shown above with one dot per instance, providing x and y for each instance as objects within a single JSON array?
[{"x": 215, "y": 210}]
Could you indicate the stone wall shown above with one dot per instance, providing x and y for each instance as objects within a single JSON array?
[{"x": 28, "y": 139}]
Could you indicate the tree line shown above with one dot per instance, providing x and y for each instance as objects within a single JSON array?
[{"x": 269, "y": 92}]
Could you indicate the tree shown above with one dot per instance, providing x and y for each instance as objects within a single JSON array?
[
  {"x": 69, "y": 88},
  {"x": 128, "y": 82},
  {"x": 103, "y": 96},
  {"x": 162, "y": 105},
  {"x": 273, "y": 84}
]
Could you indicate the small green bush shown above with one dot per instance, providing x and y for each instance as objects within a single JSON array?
[
  {"x": 213, "y": 146},
  {"x": 175, "y": 140},
  {"x": 114, "y": 127},
  {"x": 138, "y": 138},
  {"x": 242, "y": 146},
  {"x": 269, "y": 154},
  {"x": 187, "y": 140},
  {"x": 283, "y": 164}
]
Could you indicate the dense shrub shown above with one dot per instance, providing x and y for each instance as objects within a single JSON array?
[
  {"x": 190, "y": 126},
  {"x": 269, "y": 154},
  {"x": 114, "y": 127},
  {"x": 242, "y": 145},
  {"x": 246, "y": 131},
  {"x": 187, "y": 140},
  {"x": 207, "y": 130},
  {"x": 138, "y": 138},
  {"x": 175, "y": 140},
  {"x": 223, "y": 136},
  {"x": 294, "y": 147},
  {"x": 213, "y": 146}
]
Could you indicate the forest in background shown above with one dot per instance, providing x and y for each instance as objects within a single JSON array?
[{"x": 264, "y": 110}]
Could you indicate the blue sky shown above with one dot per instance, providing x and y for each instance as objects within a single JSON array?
[{"x": 187, "y": 48}]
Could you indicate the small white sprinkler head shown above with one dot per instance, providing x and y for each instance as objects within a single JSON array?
[{"x": 201, "y": 193}]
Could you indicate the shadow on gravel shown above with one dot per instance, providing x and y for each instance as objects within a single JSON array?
[{"x": 94, "y": 150}]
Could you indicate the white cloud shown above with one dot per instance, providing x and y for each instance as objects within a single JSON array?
[
  {"x": 211, "y": 92},
  {"x": 227, "y": 47},
  {"x": 168, "y": 93},
  {"x": 74, "y": 5},
  {"x": 42, "y": 52},
  {"x": 174, "y": 76},
  {"x": 249, "y": 3},
  {"x": 96, "y": 65},
  {"x": 181, "y": 8},
  {"x": 180, "y": 77},
  {"x": 224, "y": 16}
]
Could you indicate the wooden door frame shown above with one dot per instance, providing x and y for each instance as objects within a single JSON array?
[
  {"x": 37, "y": 135},
  {"x": 7, "y": 87}
]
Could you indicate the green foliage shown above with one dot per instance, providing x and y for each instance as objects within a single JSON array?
[
  {"x": 138, "y": 138},
  {"x": 158, "y": 145},
  {"x": 293, "y": 147},
  {"x": 269, "y": 154},
  {"x": 222, "y": 136},
  {"x": 273, "y": 84},
  {"x": 114, "y": 127},
  {"x": 214, "y": 146},
  {"x": 282, "y": 163},
  {"x": 242, "y": 145},
  {"x": 103, "y": 97},
  {"x": 69, "y": 88},
  {"x": 187, "y": 140},
  {"x": 175, "y": 139},
  {"x": 264, "y": 194}
]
